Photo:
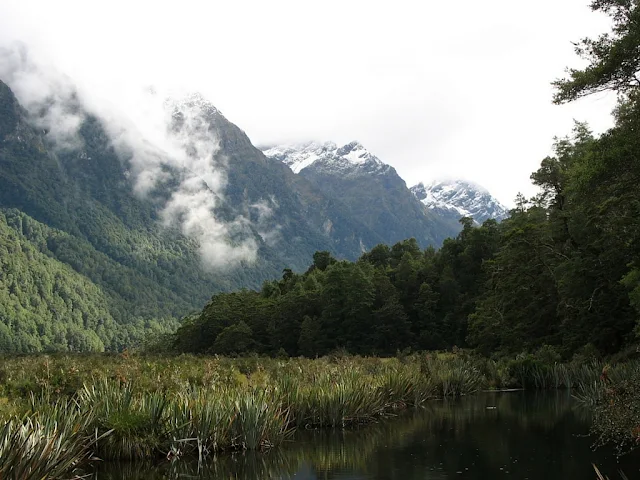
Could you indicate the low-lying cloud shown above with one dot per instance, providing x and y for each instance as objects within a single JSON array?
[
  {"x": 166, "y": 141},
  {"x": 48, "y": 96}
]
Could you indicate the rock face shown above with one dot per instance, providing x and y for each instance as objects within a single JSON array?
[{"x": 460, "y": 198}]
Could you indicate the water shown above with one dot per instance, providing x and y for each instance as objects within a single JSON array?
[{"x": 539, "y": 436}]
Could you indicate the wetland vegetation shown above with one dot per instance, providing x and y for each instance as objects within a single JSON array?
[{"x": 62, "y": 410}]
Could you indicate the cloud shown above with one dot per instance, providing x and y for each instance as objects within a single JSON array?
[
  {"x": 191, "y": 147},
  {"x": 432, "y": 88},
  {"x": 167, "y": 143},
  {"x": 269, "y": 231},
  {"x": 49, "y": 97}
]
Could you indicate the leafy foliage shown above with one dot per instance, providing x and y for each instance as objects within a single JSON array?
[
  {"x": 614, "y": 58},
  {"x": 46, "y": 305}
]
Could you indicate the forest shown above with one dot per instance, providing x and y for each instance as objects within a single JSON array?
[{"x": 563, "y": 271}]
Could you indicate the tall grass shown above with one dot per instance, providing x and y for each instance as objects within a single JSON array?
[
  {"x": 602, "y": 477},
  {"x": 137, "y": 407},
  {"x": 48, "y": 445},
  {"x": 452, "y": 376}
]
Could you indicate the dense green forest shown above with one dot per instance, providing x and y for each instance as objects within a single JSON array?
[
  {"x": 46, "y": 305},
  {"x": 563, "y": 270}
]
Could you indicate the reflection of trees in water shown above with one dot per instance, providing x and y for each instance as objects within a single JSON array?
[
  {"x": 536, "y": 433},
  {"x": 246, "y": 466},
  {"x": 523, "y": 433}
]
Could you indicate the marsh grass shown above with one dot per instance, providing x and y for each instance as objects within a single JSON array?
[
  {"x": 451, "y": 377},
  {"x": 139, "y": 407},
  {"x": 49, "y": 444}
]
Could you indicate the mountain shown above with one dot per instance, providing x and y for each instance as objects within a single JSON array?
[
  {"x": 73, "y": 212},
  {"x": 371, "y": 190},
  {"x": 350, "y": 159},
  {"x": 135, "y": 233},
  {"x": 300, "y": 219},
  {"x": 459, "y": 198},
  {"x": 110, "y": 230}
]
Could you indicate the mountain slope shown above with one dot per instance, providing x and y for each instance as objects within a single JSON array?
[
  {"x": 85, "y": 193},
  {"x": 371, "y": 190},
  {"x": 136, "y": 231},
  {"x": 459, "y": 198},
  {"x": 96, "y": 230},
  {"x": 48, "y": 305},
  {"x": 305, "y": 218}
]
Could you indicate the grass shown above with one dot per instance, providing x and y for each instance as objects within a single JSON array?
[
  {"x": 135, "y": 407},
  {"x": 49, "y": 443},
  {"x": 600, "y": 476},
  {"x": 139, "y": 407}
]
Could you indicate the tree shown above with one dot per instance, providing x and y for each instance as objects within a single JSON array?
[
  {"x": 614, "y": 58},
  {"x": 378, "y": 256},
  {"x": 234, "y": 339},
  {"x": 308, "y": 342},
  {"x": 322, "y": 260}
]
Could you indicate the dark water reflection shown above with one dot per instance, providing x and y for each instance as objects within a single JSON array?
[{"x": 526, "y": 436}]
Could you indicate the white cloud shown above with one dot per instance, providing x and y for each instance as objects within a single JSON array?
[
  {"x": 48, "y": 96},
  {"x": 166, "y": 141},
  {"x": 433, "y": 88}
]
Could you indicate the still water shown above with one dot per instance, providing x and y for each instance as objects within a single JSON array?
[{"x": 514, "y": 435}]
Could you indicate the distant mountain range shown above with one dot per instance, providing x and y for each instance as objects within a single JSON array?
[
  {"x": 353, "y": 173},
  {"x": 371, "y": 190},
  {"x": 115, "y": 232}
]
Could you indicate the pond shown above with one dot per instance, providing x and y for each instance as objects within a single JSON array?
[{"x": 518, "y": 435}]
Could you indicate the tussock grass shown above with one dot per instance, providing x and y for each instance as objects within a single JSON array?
[
  {"x": 47, "y": 445},
  {"x": 132, "y": 408},
  {"x": 600, "y": 476},
  {"x": 144, "y": 408}
]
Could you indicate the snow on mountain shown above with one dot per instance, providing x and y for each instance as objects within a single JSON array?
[
  {"x": 348, "y": 159},
  {"x": 451, "y": 199},
  {"x": 191, "y": 100},
  {"x": 460, "y": 198}
]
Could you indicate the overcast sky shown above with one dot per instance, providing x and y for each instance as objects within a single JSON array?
[{"x": 434, "y": 88}]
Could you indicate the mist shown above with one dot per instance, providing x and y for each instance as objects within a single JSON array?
[{"x": 158, "y": 134}]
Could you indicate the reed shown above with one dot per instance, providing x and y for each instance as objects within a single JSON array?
[
  {"x": 137, "y": 407},
  {"x": 450, "y": 377},
  {"x": 600, "y": 476},
  {"x": 54, "y": 441}
]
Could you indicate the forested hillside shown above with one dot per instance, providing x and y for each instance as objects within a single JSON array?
[
  {"x": 147, "y": 255},
  {"x": 90, "y": 263},
  {"x": 75, "y": 210},
  {"x": 49, "y": 306},
  {"x": 561, "y": 271}
]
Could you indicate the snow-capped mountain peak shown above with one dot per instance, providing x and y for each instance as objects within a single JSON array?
[
  {"x": 355, "y": 153},
  {"x": 326, "y": 156},
  {"x": 460, "y": 198},
  {"x": 192, "y": 102}
]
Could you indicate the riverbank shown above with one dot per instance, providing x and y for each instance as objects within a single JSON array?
[{"x": 120, "y": 407}]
